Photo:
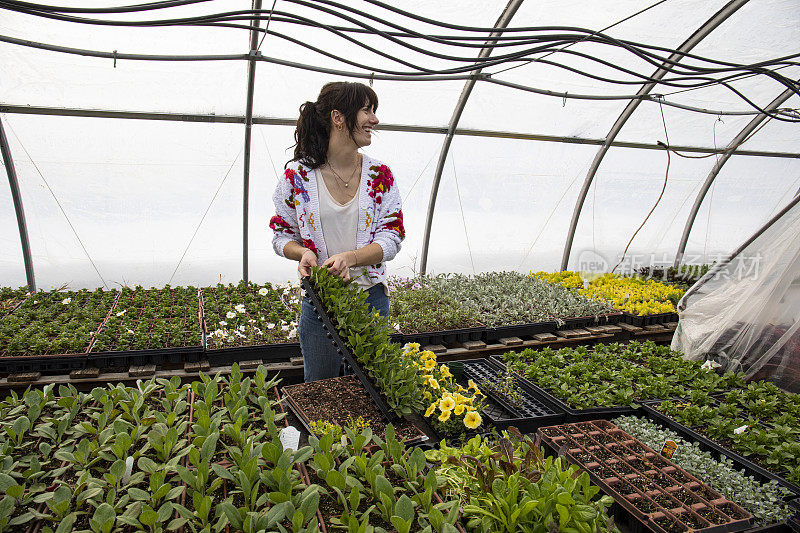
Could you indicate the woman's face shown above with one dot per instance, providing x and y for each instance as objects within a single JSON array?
[{"x": 366, "y": 120}]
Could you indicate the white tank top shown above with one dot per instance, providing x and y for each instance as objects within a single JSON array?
[{"x": 339, "y": 225}]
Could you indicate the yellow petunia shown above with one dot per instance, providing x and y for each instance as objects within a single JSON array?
[
  {"x": 445, "y": 371},
  {"x": 427, "y": 354},
  {"x": 471, "y": 385},
  {"x": 427, "y": 395},
  {"x": 447, "y": 404},
  {"x": 433, "y": 383},
  {"x": 430, "y": 410},
  {"x": 471, "y": 420},
  {"x": 429, "y": 364},
  {"x": 459, "y": 409},
  {"x": 445, "y": 416}
]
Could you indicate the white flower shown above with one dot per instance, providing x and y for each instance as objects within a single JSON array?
[
  {"x": 270, "y": 325},
  {"x": 397, "y": 327},
  {"x": 239, "y": 308},
  {"x": 293, "y": 323},
  {"x": 230, "y": 314},
  {"x": 223, "y": 323},
  {"x": 710, "y": 365},
  {"x": 122, "y": 312},
  {"x": 66, "y": 301},
  {"x": 262, "y": 291},
  {"x": 293, "y": 333},
  {"x": 285, "y": 328},
  {"x": 130, "y": 331},
  {"x": 241, "y": 328},
  {"x": 258, "y": 331},
  {"x": 740, "y": 429},
  {"x": 240, "y": 334},
  {"x": 252, "y": 321}
]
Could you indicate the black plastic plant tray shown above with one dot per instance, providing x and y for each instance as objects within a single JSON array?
[
  {"x": 155, "y": 356},
  {"x": 445, "y": 337},
  {"x": 649, "y": 320},
  {"x": 493, "y": 334},
  {"x": 268, "y": 353},
  {"x": 573, "y": 415},
  {"x": 586, "y": 321},
  {"x": 758, "y": 472},
  {"x": 535, "y": 411},
  {"x": 46, "y": 364},
  {"x": 634, "y": 474},
  {"x": 344, "y": 350},
  {"x": 306, "y": 423}
]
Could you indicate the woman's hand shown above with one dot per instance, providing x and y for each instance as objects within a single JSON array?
[
  {"x": 339, "y": 264},
  {"x": 307, "y": 260}
]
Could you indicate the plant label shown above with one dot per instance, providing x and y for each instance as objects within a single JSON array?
[{"x": 668, "y": 450}]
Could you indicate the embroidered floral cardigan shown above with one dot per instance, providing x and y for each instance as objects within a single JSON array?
[{"x": 380, "y": 214}]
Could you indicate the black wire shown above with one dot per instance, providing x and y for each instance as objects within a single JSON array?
[{"x": 637, "y": 49}]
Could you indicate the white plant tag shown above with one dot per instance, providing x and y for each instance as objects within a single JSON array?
[
  {"x": 290, "y": 438},
  {"x": 586, "y": 284},
  {"x": 740, "y": 430},
  {"x": 128, "y": 470}
]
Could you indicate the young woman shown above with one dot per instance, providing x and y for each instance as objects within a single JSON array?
[{"x": 337, "y": 207}]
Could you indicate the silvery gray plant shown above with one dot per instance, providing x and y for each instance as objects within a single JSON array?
[
  {"x": 506, "y": 298},
  {"x": 764, "y": 500}
]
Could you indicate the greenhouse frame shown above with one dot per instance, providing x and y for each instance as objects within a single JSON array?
[{"x": 580, "y": 307}]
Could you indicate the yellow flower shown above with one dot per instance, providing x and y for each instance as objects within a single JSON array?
[
  {"x": 471, "y": 385},
  {"x": 430, "y": 410},
  {"x": 433, "y": 383},
  {"x": 447, "y": 404},
  {"x": 427, "y": 395},
  {"x": 445, "y": 416},
  {"x": 427, "y": 354},
  {"x": 445, "y": 371},
  {"x": 459, "y": 409},
  {"x": 429, "y": 364},
  {"x": 471, "y": 420}
]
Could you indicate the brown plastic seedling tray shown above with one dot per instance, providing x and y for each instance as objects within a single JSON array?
[{"x": 655, "y": 491}]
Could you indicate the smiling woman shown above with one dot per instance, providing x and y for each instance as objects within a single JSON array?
[{"x": 337, "y": 208}]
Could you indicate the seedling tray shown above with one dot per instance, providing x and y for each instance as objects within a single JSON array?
[
  {"x": 532, "y": 412},
  {"x": 450, "y": 336},
  {"x": 758, "y": 472},
  {"x": 341, "y": 346},
  {"x": 655, "y": 491},
  {"x": 288, "y": 393},
  {"x": 572, "y": 414},
  {"x": 649, "y": 320},
  {"x": 46, "y": 364},
  {"x": 585, "y": 321},
  {"x": 491, "y": 335},
  {"x": 156, "y": 356},
  {"x": 265, "y": 352}
]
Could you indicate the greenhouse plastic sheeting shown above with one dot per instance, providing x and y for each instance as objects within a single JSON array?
[{"x": 745, "y": 314}]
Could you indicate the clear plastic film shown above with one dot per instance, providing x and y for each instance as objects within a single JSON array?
[{"x": 745, "y": 314}]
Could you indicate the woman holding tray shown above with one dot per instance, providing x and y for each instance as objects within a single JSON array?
[{"x": 337, "y": 207}]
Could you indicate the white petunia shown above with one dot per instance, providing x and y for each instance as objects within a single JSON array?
[
  {"x": 257, "y": 330},
  {"x": 240, "y": 334},
  {"x": 263, "y": 291},
  {"x": 710, "y": 365},
  {"x": 397, "y": 326},
  {"x": 239, "y": 308},
  {"x": 241, "y": 328},
  {"x": 252, "y": 321},
  {"x": 293, "y": 333},
  {"x": 66, "y": 301},
  {"x": 270, "y": 325},
  {"x": 122, "y": 312},
  {"x": 223, "y": 323},
  {"x": 285, "y": 328},
  {"x": 130, "y": 331},
  {"x": 230, "y": 314},
  {"x": 740, "y": 429}
]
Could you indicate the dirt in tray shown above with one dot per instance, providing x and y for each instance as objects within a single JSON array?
[
  {"x": 670, "y": 525},
  {"x": 336, "y": 399}
]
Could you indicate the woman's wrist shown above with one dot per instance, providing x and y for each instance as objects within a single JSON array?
[{"x": 355, "y": 259}]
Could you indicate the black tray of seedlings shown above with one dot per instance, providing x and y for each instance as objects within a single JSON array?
[
  {"x": 574, "y": 415},
  {"x": 342, "y": 348},
  {"x": 137, "y": 304},
  {"x": 655, "y": 492},
  {"x": 451, "y": 336},
  {"x": 587, "y": 321},
  {"x": 649, "y": 320},
  {"x": 526, "y": 412},
  {"x": 51, "y": 362},
  {"x": 494, "y": 334},
  {"x": 758, "y": 472},
  {"x": 267, "y": 353}
]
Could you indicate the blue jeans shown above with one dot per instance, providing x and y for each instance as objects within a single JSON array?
[{"x": 320, "y": 357}]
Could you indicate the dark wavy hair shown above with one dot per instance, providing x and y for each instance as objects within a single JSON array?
[{"x": 313, "y": 128}]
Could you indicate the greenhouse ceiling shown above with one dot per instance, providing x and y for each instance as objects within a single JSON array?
[{"x": 142, "y": 143}]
